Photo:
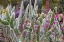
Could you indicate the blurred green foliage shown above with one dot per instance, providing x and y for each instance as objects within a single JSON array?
[{"x": 6, "y": 2}]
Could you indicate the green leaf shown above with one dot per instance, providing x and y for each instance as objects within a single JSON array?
[
  {"x": 52, "y": 20},
  {"x": 12, "y": 22},
  {"x": 35, "y": 15},
  {"x": 40, "y": 19},
  {"x": 42, "y": 15},
  {"x": 4, "y": 22},
  {"x": 12, "y": 18},
  {"x": 11, "y": 25},
  {"x": 48, "y": 34},
  {"x": 38, "y": 22},
  {"x": 7, "y": 16},
  {"x": 38, "y": 33},
  {"x": 16, "y": 31}
]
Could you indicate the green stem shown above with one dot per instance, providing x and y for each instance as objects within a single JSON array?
[
  {"x": 30, "y": 34},
  {"x": 38, "y": 29},
  {"x": 55, "y": 36}
]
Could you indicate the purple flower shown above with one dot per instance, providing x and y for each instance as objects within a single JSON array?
[
  {"x": 56, "y": 12},
  {"x": 17, "y": 13},
  {"x": 46, "y": 26},
  {"x": 61, "y": 28},
  {"x": 61, "y": 22},
  {"x": 25, "y": 33},
  {"x": 55, "y": 16},
  {"x": 25, "y": 25},
  {"x": 53, "y": 34},
  {"x": 47, "y": 21},
  {"x": 54, "y": 22},
  {"x": 47, "y": 6},
  {"x": 34, "y": 20},
  {"x": 35, "y": 26},
  {"x": 47, "y": 9},
  {"x": 51, "y": 26}
]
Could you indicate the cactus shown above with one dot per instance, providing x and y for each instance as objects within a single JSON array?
[
  {"x": 28, "y": 32},
  {"x": 4, "y": 22}
]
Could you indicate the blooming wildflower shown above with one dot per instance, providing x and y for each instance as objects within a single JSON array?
[
  {"x": 53, "y": 34},
  {"x": 35, "y": 26},
  {"x": 47, "y": 21},
  {"x": 61, "y": 28},
  {"x": 51, "y": 26},
  {"x": 54, "y": 22},
  {"x": 45, "y": 25},
  {"x": 17, "y": 13},
  {"x": 47, "y": 6},
  {"x": 25, "y": 25},
  {"x": 61, "y": 22},
  {"x": 55, "y": 16}
]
